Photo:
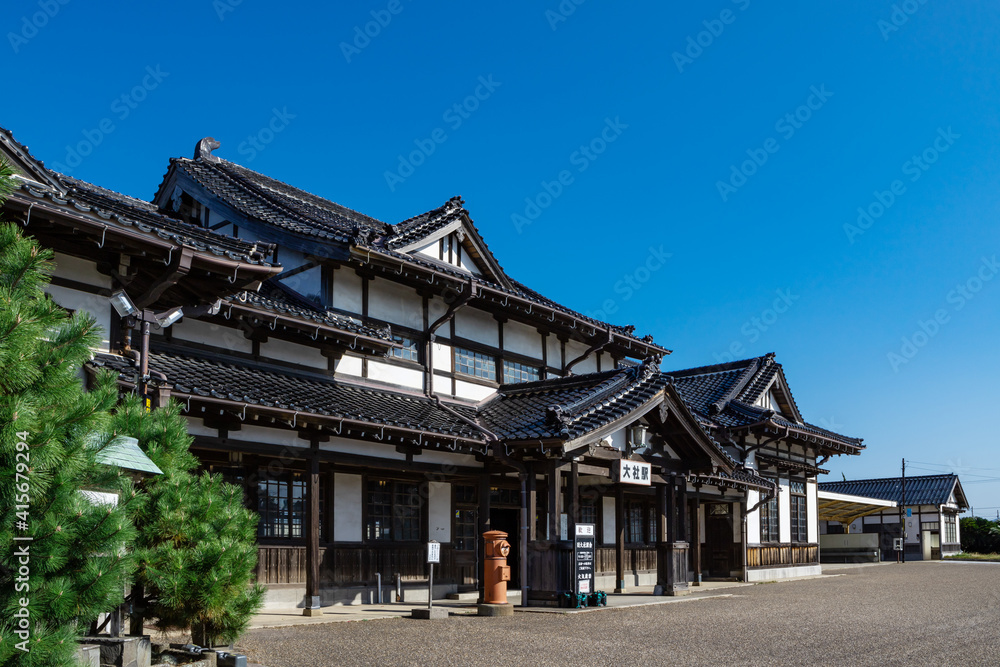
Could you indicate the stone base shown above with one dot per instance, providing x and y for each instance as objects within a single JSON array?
[
  {"x": 433, "y": 614},
  {"x": 312, "y": 612},
  {"x": 123, "y": 651},
  {"x": 505, "y": 609}
]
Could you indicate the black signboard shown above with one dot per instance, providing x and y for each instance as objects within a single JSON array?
[{"x": 583, "y": 556}]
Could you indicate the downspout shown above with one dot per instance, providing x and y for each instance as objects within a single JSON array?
[
  {"x": 431, "y": 336},
  {"x": 596, "y": 347}
]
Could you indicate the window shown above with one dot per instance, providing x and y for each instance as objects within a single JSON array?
[
  {"x": 281, "y": 504},
  {"x": 588, "y": 510},
  {"x": 640, "y": 522},
  {"x": 514, "y": 372},
  {"x": 408, "y": 350},
  {"x": 769, "y": 520},
  {"x": 800, "y": 525},
  {"x": 393, "y": 511},
  {"x": 950, "y": 529},
  {"x": 475, "y": 364},
  {"x": 465, "y": 517}
]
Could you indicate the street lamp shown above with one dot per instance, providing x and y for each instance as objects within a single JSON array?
[{"x": 127, "y": 309}]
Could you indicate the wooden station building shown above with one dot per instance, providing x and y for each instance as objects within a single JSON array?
[{"x": 374, "y": 386}]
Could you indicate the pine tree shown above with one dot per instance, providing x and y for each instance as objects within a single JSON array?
[
  {"x": 76, "y": 563},
  {"x": 196, "y": 551}
]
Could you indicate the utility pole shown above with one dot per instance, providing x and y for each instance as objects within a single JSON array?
[{"x": 902, "y": 512}]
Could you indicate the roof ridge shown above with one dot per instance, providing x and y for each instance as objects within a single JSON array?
[
  {"x": 308, "y": 195},
  {"x": 741, "y": 382},
  {"x": 715, "y": 368},
  {"x": 613, "y": 387}
]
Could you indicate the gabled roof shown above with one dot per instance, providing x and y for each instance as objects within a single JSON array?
[
  {"x": 728, "y": 396},
  {"x": 920, "y": 490},
  {"x": 294, "y": 211},
  {"x": 567, "y": 408},
  {"x": 23, "y": 162}
]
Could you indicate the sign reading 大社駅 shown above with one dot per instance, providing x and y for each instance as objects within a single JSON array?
[{"x": 634, "y": 472}]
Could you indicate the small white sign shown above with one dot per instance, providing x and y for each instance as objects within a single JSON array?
[
  {"x": 433, "y": 552},
  {"x": 585, "y": 530},
  {"x": 635, "y": 472}
]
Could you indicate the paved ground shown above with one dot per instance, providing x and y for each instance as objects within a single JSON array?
[{"x": 914, "y": 614}]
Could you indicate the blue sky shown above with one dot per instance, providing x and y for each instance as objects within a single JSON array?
[{"x": 691, "y": 170}]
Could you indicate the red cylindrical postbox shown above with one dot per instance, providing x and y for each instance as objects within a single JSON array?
[{"x": 496, "y": 572}]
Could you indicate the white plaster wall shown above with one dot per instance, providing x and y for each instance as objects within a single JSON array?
[
  {"x": 347, "y": 500},
  {"x": 207, "y": 333},
  {"x": 522, "y": 339},
  {"x": 753, "y": 518},
  {"x": 395, "y": 303},
  {"x": 349, "y": 446},
  {"x": 308, "y": 283},
  {"x": 98, "y": 306},
  {"x": 608, "y": 510},
  {"x": 447, "y": 458},
  {"x": 554, "y": 351},
  {"x": 267, "y": 434},
  {"x": 442, "y": 357},
  {"x": 294, "y": 353},
  {"x": 348, "y": 365},
  {"x": 347, "y": 290},
  {"x": 431, "y": 249},
  {"x": 439, "y": 511},
  {"x": 475, "y": 392},
  {"x": 442, "y": 385},
  {"x": 477, "y": 325},
  {"x": 784, "y": 511},
  {"x": 80, "y": 270},
  {"x": 436, "y": 307},
  {"x": 404, "y": 377},
  {"x": 196, "y": 426},
  {"x": 618, "y": 439},
  {"x": 468, "y": 265},
  {"x": 812, "y": 511},
  {"x": 574, "y": 350}
]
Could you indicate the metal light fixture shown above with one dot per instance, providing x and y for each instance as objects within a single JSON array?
[
  {"x": 123, "y": 305},
  {"x": 168, "y": 317}
]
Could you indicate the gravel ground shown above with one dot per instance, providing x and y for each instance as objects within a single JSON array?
[{"x": 913, "y": 614}]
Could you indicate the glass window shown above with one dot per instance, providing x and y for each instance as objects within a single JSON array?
[
  {"x": 408, "y": 349},
  {"x": 950, "y": 530},
  {"x": 393, "y": 511},
  {"x": 281, "y": 505},
  {"x": 636, "y": 523},
  {"x": 475, "y": 364},
  {"x": 800, "y": 531},
  {"x": 769, "y": 520},
  {"x": 514, "y": 372},
  {"x": 465, "y": 528}
]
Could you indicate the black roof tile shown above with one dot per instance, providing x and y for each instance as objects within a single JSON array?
[{"x": 920, "y": 490}]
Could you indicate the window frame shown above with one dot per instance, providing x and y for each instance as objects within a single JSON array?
[
  {"x": 456, "y": 349},
  {"x": 396, "y": 489}
]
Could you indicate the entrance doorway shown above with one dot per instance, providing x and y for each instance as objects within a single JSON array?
[
  {"x": 509, "y": 521},
  {"x": 719, "y": 539}
]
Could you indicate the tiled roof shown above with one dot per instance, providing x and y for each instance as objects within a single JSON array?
[
  {"x": 263, "y": 198},
  {"x": 738, "y": 478},
  {"x": 920, "y": 490},
  {"x": 255, "y": 386},
  {"x": 725, "y": 394},
  {"x": 275, "y": 298},
  {"x": 566, "y": 408},
  {"x": 260, "y": 197}
]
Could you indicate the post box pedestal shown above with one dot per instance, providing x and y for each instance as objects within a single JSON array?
[{"x": 488, "y": 609}]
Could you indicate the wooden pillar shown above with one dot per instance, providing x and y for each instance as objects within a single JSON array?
[
  {"x": 669, "y": 579},
  {"x": 483, "y": 525},
  {"x": 532, "y": 503},
  {"x": 573, "y": 511},
  {"x": 620, "y": 538},
  {"x": 685, "y": 531},
  {"x": 555, "y": 500},
  {"x": 663, "y": 554},
  {"x": 312, "y": 605},
  {"x": 696, "y": 533}
]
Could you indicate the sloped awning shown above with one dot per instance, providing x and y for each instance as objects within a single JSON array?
[
  {"x": 124, "y": 452},
  {"x": 845, "y": 508}
]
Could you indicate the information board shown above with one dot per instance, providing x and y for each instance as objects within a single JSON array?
[{"x": 583, "y": 557}]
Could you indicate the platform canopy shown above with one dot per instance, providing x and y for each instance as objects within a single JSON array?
[{"x": 846, "y": 508}]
